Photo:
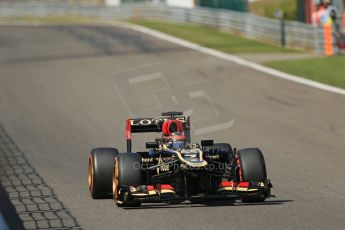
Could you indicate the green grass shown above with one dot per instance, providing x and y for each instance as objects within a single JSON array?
[
  {"x": 212, "y": 38},
  {"x": 328, "y": 70},
  {"x": 267, "y": 8}
]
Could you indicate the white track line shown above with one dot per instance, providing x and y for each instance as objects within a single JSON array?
[
  {"x": 233, "y": 58},
  {"x": 3, "y": 225}
]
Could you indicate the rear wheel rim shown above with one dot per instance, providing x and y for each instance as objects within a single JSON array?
[
  {"x": 91, "y": 175},
  {"x": 239, "y": 170}
]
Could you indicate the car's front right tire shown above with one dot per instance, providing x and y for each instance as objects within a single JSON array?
[{"x": 101, "y": 164}]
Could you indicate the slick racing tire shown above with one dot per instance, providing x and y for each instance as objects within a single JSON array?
[
  {"x": 101, "y": 165},
  {"x": 127, "y": 172},
  {"x": 252, "y": 168},
  {"x": 222, "y": 148}
]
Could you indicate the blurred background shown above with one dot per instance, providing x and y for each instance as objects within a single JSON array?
[
  {"x": 305, "y": 12},
  {"x": 293, "y": 36}
]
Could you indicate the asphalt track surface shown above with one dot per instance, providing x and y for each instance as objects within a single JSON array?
[{"x": 67, "y": 89}]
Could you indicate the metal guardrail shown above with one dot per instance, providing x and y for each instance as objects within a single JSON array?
[{"x": 297, "y": 35}]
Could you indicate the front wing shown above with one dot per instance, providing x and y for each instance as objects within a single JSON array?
[{"x": 227, "y": 190}]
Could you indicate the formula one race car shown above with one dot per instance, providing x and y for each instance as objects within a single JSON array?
[{"x": 174, "y": 169}]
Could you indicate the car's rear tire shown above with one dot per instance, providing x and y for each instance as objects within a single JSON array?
[
  {"x": 252, "y": 168},
  {"x": 127, "y": 172},
  {"x": 101, "y": 164},
  {"x": 220, "y": 148}
]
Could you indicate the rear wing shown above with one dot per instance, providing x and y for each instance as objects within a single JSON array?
[{"x": 150, "y": 125}]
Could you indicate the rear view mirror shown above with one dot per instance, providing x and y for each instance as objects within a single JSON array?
[
  {"x": 152, "y": 145},
  {"x": 207, "y": 143}
]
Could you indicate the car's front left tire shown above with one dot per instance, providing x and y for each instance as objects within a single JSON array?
[{"x": 252, "y": 168}]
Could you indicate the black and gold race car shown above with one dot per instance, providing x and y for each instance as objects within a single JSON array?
[{"x": 173, "y": 169}]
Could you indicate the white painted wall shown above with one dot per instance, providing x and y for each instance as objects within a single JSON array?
[
  {"x": 112, "y": 2},
  {"x": 181, "y": 3}
]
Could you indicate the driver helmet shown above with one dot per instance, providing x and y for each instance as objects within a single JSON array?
[{"x": 177, "y": 141}]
